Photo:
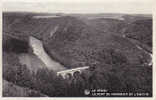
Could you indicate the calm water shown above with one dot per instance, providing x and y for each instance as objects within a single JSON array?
[{"x": 40, "y": 58}]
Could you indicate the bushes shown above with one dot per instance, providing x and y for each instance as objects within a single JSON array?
[
  {"x": 114, "y": 75},
  {"x": 18, "y": 74},
  {"x": 47, "y": 82},
  {"x": 127, "y": 79},
  {"x": 44, "y": 80}
]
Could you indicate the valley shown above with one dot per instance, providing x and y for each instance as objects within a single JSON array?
[{"x": 116, "y": 47}]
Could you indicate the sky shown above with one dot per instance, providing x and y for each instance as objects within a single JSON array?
[{"x": 80, "y": 6}]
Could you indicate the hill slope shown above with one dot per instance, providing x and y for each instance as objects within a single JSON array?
[
  {"x": 11, "y": 90},
  {"x": 118, "y": 63}
]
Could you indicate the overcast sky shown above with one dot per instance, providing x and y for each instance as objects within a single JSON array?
[{"x": 80, "y": 6}]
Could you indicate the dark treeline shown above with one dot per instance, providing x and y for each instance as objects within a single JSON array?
[{"x": 15, "y": 45}]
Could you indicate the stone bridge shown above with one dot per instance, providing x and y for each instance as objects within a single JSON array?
[{"x": 71, "y": 72}]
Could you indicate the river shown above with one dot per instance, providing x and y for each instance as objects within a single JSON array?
[{"x": 39, "y": 58}]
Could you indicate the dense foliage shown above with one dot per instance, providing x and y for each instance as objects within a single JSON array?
[
  {"x": 118, "y": 76},
  {"x": 117, "y": 65},
  {"x": 140, "y": 30}
]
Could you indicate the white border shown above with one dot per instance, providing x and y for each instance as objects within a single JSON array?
[{"x": 86, "y": 98}]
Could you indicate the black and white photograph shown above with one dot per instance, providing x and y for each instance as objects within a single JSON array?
[{"x": 77, "y": 49}]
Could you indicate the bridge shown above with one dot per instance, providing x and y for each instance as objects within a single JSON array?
[{"x": 65, "y": 73}]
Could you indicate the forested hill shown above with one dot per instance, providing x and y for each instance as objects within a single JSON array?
[{"x": 111, "y": 45}]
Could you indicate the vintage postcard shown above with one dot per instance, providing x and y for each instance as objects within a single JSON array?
[{"x": 86, "y": 49}]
